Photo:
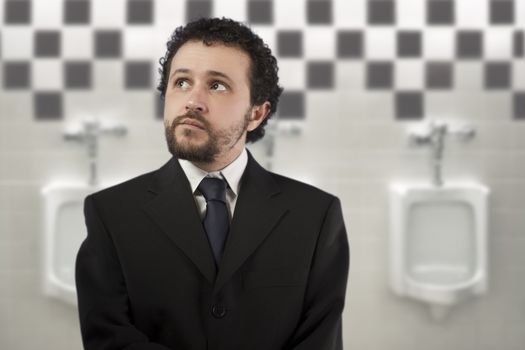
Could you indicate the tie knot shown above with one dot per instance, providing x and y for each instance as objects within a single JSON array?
[{"x": 213, "y": 188}]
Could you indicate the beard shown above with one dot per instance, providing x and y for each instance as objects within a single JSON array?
[{"x": 218, "y": 142}]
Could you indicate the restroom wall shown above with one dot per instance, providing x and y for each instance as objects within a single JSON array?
[{"x": 357, "y": 75}]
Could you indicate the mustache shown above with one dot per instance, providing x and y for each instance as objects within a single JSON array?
[{"x": 190, "y": 115}]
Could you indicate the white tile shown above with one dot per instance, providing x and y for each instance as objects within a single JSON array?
[
  {"x": 490, "y": 136},
  {"x": 105, "y": 15},
  {"x": 519, "y": 13},
  {"x": 439, "y": 43},
  {"x": 16, "y": 106},
  {"x": 77, "y": 43},
  {"x": 169, "y": 14},
  {"x": 292, "y": 73},
  {"x": 507, "y": 193},
  {"x": 509, "y": 222},
  {"x": 380, "y": 106},
  {"x": 498, "y": 43},
  {"x": 350, "y": 75},
  {"x": 369, "y": 254},
  {"x": 410, "y": 14},
  {"x": 518, "y": 141},
  {"x": 2, "y": 8},
  {"x": 353, "y": 104},
  {"x": 22, "y": 137},
  {"x": 108, "y": 75},
  {"x": 234, "y": 9},
  {"x": 47, "y": 74},
  {"x": 47, "y": 14},
  {"x": 139, "y": 43},
  {"x": 409, "y": 74},
  {"x": 267, "y": 34},
  {"x": 118, "y": 167},
  {"x": 499, "y": 106},
  {"x": 380, "y": 43},
  {"x": 159, "y": 40},
  {"x": 290, "y": 14},
  {"x": 349, "y": 14},
  {"x": 470, "y": 14},
  {"x": 462, "y": 106},
  {"x": 469, "y": 76},
  {"x": 518, "y": 74},
  {"x": 110, "y": 104},
  {"x": 25, "y": 168},
  {"x": 319, "y": 43},
  {"x": 17, "y": 43}
]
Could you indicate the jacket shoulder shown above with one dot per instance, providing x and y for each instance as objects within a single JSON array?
[
  {"x": 126, "y": 189},
  {"x": 301, "y": 190}
]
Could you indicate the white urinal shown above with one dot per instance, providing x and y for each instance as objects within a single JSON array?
[
  {"x": 64, "y": 231},
  {"x": 438, "y": 242}
]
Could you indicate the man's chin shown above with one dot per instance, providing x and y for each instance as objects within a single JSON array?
[{"x": 193, "y": 153}]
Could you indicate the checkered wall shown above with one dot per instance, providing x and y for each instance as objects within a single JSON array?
[{"x": 406, "y": 48}]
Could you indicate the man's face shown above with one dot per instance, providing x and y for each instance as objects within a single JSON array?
[{"x": 207, "y": 110}]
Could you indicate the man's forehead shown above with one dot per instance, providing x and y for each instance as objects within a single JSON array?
[{"x": 196, "y": 57}]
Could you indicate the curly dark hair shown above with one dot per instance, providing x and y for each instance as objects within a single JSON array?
[{"x": 263, "y": 76}]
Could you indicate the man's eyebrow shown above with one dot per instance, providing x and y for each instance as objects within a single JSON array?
[
  {"x": 212, "y": 73},
  {"x": 179, "y": 70},
  {"x": 218, "y": 74}
]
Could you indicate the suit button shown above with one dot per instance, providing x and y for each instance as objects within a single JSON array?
[{"x": 218, "y": 311}]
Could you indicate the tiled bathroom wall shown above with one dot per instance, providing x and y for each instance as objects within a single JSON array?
[{"x": 357, "y": 74}]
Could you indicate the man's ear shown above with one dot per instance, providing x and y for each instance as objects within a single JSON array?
[{"x": 258, "y": 114}]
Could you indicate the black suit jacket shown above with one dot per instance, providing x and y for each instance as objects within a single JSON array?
[{"x": 146, "y": 278}]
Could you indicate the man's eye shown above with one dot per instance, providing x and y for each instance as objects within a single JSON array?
[
  {"x": 218, "y": 86},
  {"x": 182, "y": 83}
]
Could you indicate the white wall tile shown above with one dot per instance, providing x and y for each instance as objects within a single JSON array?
[{"x": 17, "y": 43}]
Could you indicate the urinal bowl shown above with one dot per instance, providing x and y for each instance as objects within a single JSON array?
[
  {"x": 64, "y": 231},
  {"x": 438, "y": 241}
]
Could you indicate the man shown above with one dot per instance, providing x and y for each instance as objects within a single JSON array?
[{"x": 211, "y": 251}]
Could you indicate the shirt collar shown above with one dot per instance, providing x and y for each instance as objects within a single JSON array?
[{"x": 232, "y": 173}]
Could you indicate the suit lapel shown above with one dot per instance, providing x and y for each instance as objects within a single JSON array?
[
  {"x": 257, "y": 212},
  {"x": 174, "y": 210}
]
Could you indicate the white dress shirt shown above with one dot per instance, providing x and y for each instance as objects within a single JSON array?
[{"x": 232, "y": 174}]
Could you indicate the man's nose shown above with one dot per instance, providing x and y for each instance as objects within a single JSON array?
[{"x": 197, "y": 101}]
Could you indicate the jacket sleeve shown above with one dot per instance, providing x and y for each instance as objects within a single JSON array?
[
  {"x": 320, "y": 327},
  {"x": 105, "y": 320}
]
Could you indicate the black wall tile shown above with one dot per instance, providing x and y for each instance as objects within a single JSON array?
[
  {"x": 17, "y": 12},
  {"x": 379, "y": 75},
  {"x": 77, "y": 12},
  {"x": 409, "y": 44},
  {"x": 290, "y": 43},
  {"x": 501, "y": 11},
  {"x": 108, "y": 44},
  {"x": 17, "y": 75},
  {"x": 77, "y": 75},
  {"x": 440, "y": 12},
  {"x": 291, "y": 105},
  {"x": 409, "y": 105},
  {"x": 138, "y": 75},
  {"x": 47, "y": 43},
  {"x": 140, "y": 12},
  {"x": 319, "y": 12},
  {"x": 198, "y": 8},
  {"x": 48, "y": 105},
  {"x": 320, "y": 75},
  {"x": 260, "y": 12},
  {"x": 350, "y": 44},
  {"x": 439, "y": 75},
  {"x": 497, "y": 75},
  {"x": 469, "y": 44},
  {"x": 381, "y": 12}
]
